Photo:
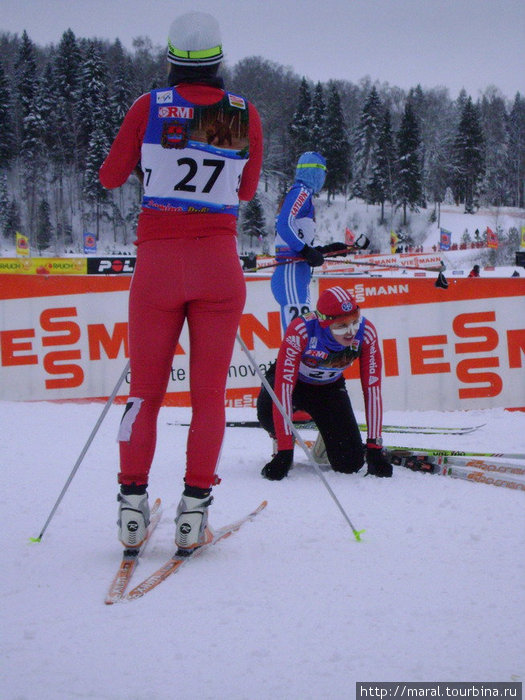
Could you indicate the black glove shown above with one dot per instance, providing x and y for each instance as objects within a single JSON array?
[
  {"x": 332, "y": 248},
  {"x": 377, "y": 461},
  {"x": 279, "y": 467},
  {"x": 312, "y": 256}
]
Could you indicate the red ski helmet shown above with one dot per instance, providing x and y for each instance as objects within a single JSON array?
[{"x": 333, "y": 303}]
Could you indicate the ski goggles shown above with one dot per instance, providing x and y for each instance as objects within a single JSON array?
[{"x": 311, "y": 165}]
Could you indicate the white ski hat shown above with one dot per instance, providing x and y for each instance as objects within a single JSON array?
[{"x": 195, "y": 40}]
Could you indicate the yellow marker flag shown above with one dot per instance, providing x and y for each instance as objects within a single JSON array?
[
  {"x": 22, "y": 244},
  {"x": 522, "y": 242},
  {"x": 492, "y": 238},
  {"x": 393, "y": 241}
]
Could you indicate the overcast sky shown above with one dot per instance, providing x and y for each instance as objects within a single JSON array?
[{"x": 469, "y": 44}]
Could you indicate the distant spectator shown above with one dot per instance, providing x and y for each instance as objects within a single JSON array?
[
  {"x": 515, "y": 274},
  {"x": 474, "y": 272},
  {"x": 249, "y": 262}
]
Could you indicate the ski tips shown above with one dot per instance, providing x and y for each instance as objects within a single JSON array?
[{"x": 357, "y": 535}]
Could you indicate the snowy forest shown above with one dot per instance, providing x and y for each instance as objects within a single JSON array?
[{"x": 61, "y": 106}]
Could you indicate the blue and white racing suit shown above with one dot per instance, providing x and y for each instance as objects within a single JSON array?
[{"x": 294, "y": 227}]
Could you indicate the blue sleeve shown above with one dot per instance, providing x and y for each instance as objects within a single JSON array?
[{"x": 297, "y": 204}]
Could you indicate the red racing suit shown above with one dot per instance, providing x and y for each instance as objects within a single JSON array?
[{"x": 200, "y": 149}]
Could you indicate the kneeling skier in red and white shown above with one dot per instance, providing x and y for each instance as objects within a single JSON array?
[{"x": 308, "y": 376}]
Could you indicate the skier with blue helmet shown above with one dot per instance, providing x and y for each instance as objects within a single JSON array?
[{"x": 294, "y": 237}]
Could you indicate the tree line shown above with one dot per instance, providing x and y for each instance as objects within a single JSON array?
[{"x": 61, "y": 106}]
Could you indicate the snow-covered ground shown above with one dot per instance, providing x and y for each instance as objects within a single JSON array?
[{"x": 291, "y": 607}]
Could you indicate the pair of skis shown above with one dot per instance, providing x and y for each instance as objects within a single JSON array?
[
  {"x": 130, "y": 558},
  {"x": 419, "y": 429},
  {"x": 496, "y": 469}
]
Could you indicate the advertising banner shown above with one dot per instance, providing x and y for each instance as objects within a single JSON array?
[
  {"x": 43, "y": 266},
  {"x": 65, "y": 338},
  {"x": 358, "y": 263}
]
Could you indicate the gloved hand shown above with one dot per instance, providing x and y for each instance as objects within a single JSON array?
[
  {"x": 279, "y": 466},
  {"x": 312, "y": 256},
  {"x": 340, "y": 248},
  {"x": 377, "y": 461}
]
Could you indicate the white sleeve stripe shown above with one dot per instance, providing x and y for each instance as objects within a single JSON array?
[
  {"x": 287, "y": 405},
  {"x": 374, "y": 412}
]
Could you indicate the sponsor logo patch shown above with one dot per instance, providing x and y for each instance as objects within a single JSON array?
[
  {"x": 165, "y": 97},
  {"x": 174, "y": 134},
  {"x": 301, "y": 199},
  {"x": 175, "y": 112},
  {"x": 294, "y": 341},
  {"x": 237, "y": 101}
]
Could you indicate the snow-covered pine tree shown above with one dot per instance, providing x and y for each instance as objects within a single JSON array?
[
  {"x": 517, "y": 151},
  {"x": 121, "y": 87},
  {"x": 4, "y": 202},
  {"x": 7, "y": 146},
  {"x": 496, "y": 185},
  {"x": 25, "y": 77},
  {"x": 44, "y": 228},
  {"x": 408, "y": 176},
  {"x": 336, "y": 148},
  {"x": 317, "y": 120},
  {"x": 468, "y": 156},
  {"x": 149, "y": 66},
  {"x": 300, "y": 126},
  {"x": 418, "y": 102},
  {"x": 96, "y": 127},
  {"x": 94, "y": 194},
  {"x": 381, "y": 187},
  {"x": 64, "y": 90},
  {"x": 92, "y": 99},
  {"x": 253, "y": 223},
  {"x": 33, "y": 167},
  {"x": 365, "y": 145},
  {"x": 121, "y": 98},
  {"x": 13, "y": 221},
  {"x": 437, "y": 123}
]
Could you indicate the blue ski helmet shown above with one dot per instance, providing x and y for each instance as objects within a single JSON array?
[{"x": 311, "y": 170}]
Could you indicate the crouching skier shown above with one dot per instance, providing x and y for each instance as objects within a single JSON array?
[{"x": 315, "y": 351}]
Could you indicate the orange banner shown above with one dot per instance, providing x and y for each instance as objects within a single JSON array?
[{"x": 65, "y": 338}]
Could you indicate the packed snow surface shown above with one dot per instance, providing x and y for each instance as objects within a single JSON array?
[{"x": 291, "y": 607}]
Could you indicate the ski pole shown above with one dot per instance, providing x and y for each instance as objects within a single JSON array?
[
  {"x": 441, "y": 281},
  {"x": 386, "y": 266},
  {"x": 83, "y": 453},
  {"x": 287, "y": 419},
  {"x": 287, "y": 261},
  {"x": 345, "y": 250}
]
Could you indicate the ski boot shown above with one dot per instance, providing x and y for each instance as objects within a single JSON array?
[
  {"x": 191, "y": 529},
  {"x": 133, "y": 518}
]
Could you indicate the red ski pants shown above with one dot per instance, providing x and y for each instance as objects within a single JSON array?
[{"x": 199, "y": 280}]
